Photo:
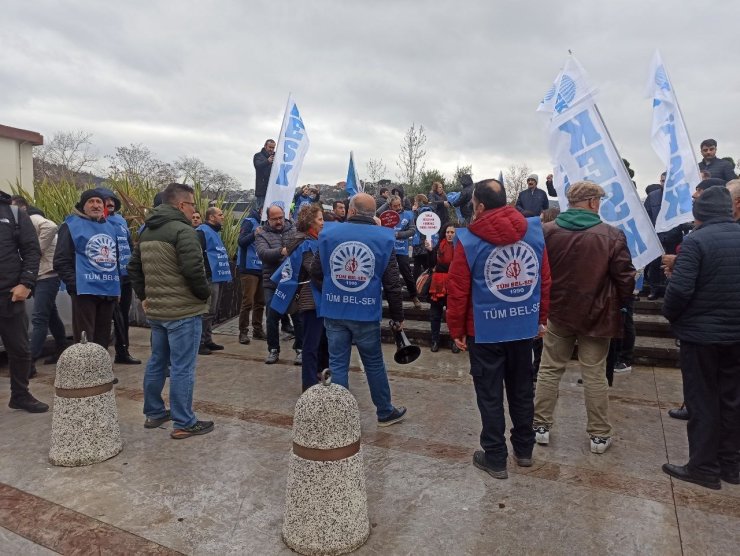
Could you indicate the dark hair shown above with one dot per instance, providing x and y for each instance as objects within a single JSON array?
[
  {"x": 708, "y": 143},
  {"x": 486, "y": 194},
  {"x": 269, "y": 141},
  {"x": 383, "y": 190},
  {"x": 174, "y": 192},
  {"x": 19, "y": 201},
  {"x": 336, "y": 203},
  {"x": 307, "y": 215},
  {"x": 448, "y": 226}
]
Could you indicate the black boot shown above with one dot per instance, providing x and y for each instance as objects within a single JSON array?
[
  {"x": 28, "y": 403},
  {"x": 123, "y": 357}
]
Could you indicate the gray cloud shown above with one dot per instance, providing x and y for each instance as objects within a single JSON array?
[{"x": 211, "y": 79}]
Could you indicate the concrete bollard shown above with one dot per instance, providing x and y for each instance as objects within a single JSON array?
[
  {"x": 84, "y": 426},
  {"x": 326, "y": 500}
]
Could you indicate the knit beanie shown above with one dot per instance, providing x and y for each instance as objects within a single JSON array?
[
  {"x": 710, "y": 182},
  {"x": 86, "y": 196},
  {"x": 715, "y": 202},
  {"x": 533, "y": 177}
]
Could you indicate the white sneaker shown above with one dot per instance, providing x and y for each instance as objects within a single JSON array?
[
  {"x": 541, "y": 435},
  {"x": 600, "y": 444},
  {"x": 622, "y": 368}
]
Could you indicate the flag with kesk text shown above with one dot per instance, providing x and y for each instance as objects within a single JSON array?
[
  {"x": 670, "y": 141},
  {"x": 581, "y": 149},
  {"x": 292, "y": 145}
]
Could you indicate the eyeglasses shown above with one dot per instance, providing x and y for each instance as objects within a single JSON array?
[
  {"x": 188, "y": 203},
  {"x": 276, "y": 219}
]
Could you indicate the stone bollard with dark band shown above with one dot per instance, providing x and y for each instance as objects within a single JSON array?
[
  {"x": 84, "y": 427},
  {"x": 326, "y": 500}
]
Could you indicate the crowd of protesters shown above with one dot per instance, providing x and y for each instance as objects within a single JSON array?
[{"x": 179, "y": 266}]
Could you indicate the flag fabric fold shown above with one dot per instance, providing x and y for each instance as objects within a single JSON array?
[
  {"x": 582, "y": 149},
  {"x": 292, "y": 145},
  {"x": 353, "y": 185},
  {"x": 670, "y": 141}
]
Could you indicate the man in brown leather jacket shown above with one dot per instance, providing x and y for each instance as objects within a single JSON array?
[{"x": 592, "y": 278}]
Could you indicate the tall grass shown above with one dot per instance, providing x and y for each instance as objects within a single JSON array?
[{"x": 57, "y": 200}]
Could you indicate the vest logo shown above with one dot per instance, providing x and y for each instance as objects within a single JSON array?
[
  {"x": 512, "y": 272},
  {"x": 287, "y": 272},
  {"x": 352, "y": 266},
  {"x": 101, "y": 252}
]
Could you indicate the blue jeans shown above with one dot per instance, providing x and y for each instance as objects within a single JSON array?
[
  {"x": 366, "y": 336},
  {"x": 174, "y": 343},
  {"x": 45, "y": 316},
  {"x": 315, "y": 352}
]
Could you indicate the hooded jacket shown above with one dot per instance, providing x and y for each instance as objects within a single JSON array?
[
  {"x": 592, "y": 271},
  {"x": 501, "y": 226},
  {"x": 166, "y": 268},
  {"x": 19, "y": 249}
]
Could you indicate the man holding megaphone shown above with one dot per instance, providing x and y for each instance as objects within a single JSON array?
[{"x": 355, "y": 264}]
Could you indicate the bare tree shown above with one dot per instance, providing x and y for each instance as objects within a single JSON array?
[
  {"x": 137, "y": 163},
  {"x": 65, "y": 157},
  {"x": 411, "y": 158},
  {"x": 376, "y": 169},
  {"x": 515, "y": 181},
  {"x": 219, "y": 183},
  {"x": 191, "y": 168}
]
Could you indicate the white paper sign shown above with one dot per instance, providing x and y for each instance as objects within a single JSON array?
[{"x": 428, "y": 223}]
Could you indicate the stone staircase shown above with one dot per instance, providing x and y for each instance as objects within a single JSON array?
[{"x": 654, "y": 345}]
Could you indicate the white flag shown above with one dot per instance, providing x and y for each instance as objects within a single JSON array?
[
  {"x": 671, "y": 143},
  {"x": 581, "y": 149},
  {"x": 291, "y": 148}
]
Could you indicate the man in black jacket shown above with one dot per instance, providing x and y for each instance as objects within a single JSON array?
[
  {"x": 465, "y": 200},
  {"x": 20, "y": 255},
  {"x": 262, "y": 166},
  {"x": 532, "y": 201},
  {"x": 702, "y": 302},
  {"x": 716, "y": 167},
  {"x": 361, "y": 328}
]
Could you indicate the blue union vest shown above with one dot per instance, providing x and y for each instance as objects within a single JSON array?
[
  {"x": 401, "y": 246},
  {"x": 247, "y": 258},
  {"x": 122, "y": 241},
  {"x": 286, "y": 276},
  {"x": 96, "y": 257},
  {"x": 506, "y": 284},
  {"x": 354, "y": 258},
  {"x": 218, "y": 258}
]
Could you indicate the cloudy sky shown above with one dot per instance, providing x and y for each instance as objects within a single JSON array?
[{"x": 209, "y": 78}]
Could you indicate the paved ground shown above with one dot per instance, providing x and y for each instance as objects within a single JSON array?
[{"x": 223, "y": 493}]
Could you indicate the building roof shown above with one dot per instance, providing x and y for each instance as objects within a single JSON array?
[{"x": 25, "y": 135}]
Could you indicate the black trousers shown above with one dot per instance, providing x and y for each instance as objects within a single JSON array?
[
  {"x": 92, "y": 314},
  {"x": 14, "y": 334},
  {"x": 495, "y": 367},
  {"x": 711, "y": 389},
  {"x": 537, "y": 345},
  {"x": 404, "y": 266},
  {"x": 436, "y": 308},
  {"x": 421, "y": 263},
  {"x": 120, "y": 317}
]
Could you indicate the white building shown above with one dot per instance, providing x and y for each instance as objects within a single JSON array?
[{"x": 16, "y": 157}]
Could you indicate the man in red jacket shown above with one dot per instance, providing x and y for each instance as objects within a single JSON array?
[{"x": 497, "y": 302}]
